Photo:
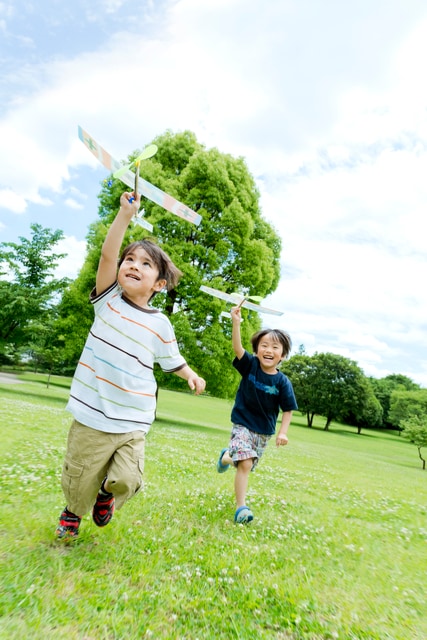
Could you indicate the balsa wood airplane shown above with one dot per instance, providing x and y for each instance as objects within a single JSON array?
[
  {"x": 134, "y": 180},
  {"x": 237, "y": 299}
]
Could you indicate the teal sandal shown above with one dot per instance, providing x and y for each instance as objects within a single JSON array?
[
  {"x": 221, "y": 468},
  {"x": 243, "y": 515}
]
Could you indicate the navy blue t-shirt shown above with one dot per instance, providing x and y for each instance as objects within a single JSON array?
[{"x": 260, "y": 396}]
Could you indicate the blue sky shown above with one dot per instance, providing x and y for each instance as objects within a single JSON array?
[{"x": 326, "y": 102}]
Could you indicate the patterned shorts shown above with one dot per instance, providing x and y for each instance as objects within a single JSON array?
[{"x": 246, "y": 444}]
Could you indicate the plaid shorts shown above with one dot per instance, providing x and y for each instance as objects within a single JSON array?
[{"x": 245, "y": 444}]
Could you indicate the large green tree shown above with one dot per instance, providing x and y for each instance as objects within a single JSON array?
[
  {"x": 333, "y": 386},
  {"x": 233, "y": 249},
  {"x": 28, "y": 287}
]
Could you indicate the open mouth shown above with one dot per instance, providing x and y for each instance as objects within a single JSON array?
[{"x": 133, "y": 276}]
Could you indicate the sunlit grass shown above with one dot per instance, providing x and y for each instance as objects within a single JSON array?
[{"x": 337, "y": 548}]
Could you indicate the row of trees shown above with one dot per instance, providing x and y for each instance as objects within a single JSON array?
[
  {"x": 335, "y": 387},
  {"x": 46, "y": 320}
]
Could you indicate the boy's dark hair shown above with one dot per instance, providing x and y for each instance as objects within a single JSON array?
[
  {"x": 167, "y": 270},
  {"x": 277, "y": 335}
]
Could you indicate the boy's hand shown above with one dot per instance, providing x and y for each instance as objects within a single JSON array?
[
  {"x": 281, "y": 439},
  {"x": 236, "y": 314},
  {"x": 196, "y": 384},
  {"x": 128, "y": 207}
]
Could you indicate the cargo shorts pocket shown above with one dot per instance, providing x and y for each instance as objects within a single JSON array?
[{"x": 71, "y": 474}]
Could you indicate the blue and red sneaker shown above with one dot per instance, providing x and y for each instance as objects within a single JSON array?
[
  {"x": 103, "y": 509},
  {"x": 68, "y": 526}
]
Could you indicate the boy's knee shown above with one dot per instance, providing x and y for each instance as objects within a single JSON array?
[
  {"x": 126, "y": 485},
  {"x": 246, "y": 465}
]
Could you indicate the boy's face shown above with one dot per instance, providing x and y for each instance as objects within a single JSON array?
[
  {"x": 139, "y": 276},
  {"x": 269, "y": 353}
]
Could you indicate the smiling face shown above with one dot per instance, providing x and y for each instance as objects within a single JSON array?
[
  {"x": 138, "y": 276},
  {"x": 269, "y": 353}
]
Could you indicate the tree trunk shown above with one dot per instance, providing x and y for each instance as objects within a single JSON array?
[
  {"x": 328, "y": 422},
  {"x": 170, "y": 300},
  {"x": 421, "y": 458}
]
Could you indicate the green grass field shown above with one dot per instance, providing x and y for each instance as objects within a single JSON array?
[{"x": 337, "y": 550}]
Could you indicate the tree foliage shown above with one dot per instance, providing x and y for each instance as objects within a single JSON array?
[
  {"x": 28, "y": 289},
  {"x": 407, "y": 404},
  {"x": 384, "y": 388},
  {"x": 233, "y": 249}
]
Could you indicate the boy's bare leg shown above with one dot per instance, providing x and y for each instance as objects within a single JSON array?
[{"x": 241, "y": 480}]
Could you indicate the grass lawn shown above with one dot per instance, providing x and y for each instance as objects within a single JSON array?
[{"x": 337, "y": 550}]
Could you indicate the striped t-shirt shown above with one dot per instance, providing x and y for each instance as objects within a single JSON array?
[{"x": 114, "y": 388}]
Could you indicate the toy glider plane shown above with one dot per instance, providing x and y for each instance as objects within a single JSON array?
[
  {"x": 239, "y": 300},
  {"x": 135, "y": 182}
]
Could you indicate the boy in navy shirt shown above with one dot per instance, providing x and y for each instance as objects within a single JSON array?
[{"x": 262, "y": 393}]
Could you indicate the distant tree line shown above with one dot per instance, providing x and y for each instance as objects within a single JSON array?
[{"x": 335, "y": 387}]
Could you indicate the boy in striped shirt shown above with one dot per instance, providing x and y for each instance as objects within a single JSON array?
[{"x": 113, "y": 393}]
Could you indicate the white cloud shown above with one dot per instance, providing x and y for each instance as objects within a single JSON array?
[
  {"x": 12, "y": 201},
  {"x": 72, "y": 204},
  {"x": 70, "y": 266}
]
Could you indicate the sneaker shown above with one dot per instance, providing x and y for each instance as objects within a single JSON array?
[
  {"x": 103, "y": 509},
  {"x": 222, "y": 468},
  {"x": 68, "y": 526},
  {"x": 243, "y": 515}
]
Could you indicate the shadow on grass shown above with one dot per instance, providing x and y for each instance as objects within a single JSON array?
[
  {"x": 189, "y": 425},
  {"x": 343, "y": 431},
  {"x": 22, "y": 394},
  {"x": 45, "y": 384}
]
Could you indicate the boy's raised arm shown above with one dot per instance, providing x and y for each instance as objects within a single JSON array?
[
  {"x": 236, "y": 340},
  {"x": 107, "y": 267}
]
